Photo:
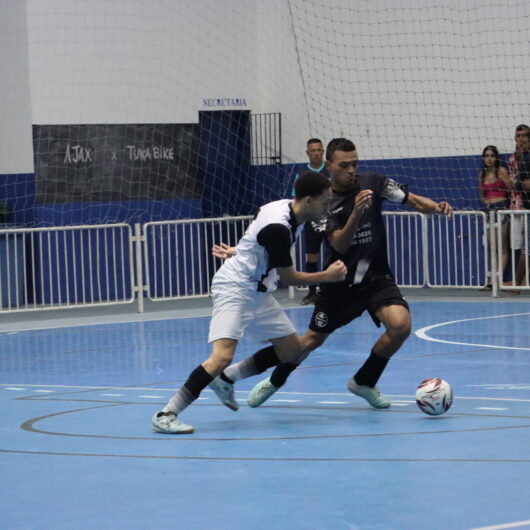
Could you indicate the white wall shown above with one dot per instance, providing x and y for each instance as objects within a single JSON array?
[
  {"x": 402, "y": 79},
  {"x": 16, "y": 151}
]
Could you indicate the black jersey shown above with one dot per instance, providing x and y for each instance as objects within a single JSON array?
[{"x": 366, "y": 258}]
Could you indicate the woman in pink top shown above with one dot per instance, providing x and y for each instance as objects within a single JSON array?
[{"x": 495, "y": 187}]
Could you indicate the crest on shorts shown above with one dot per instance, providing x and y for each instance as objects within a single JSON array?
[{"x": 321, "y": 319}]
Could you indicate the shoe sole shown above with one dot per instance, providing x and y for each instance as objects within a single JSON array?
[
  {"x": 187, "y": 431},
  {"x": 235, "y": 408},
  {"x": 255, "y": 405}
]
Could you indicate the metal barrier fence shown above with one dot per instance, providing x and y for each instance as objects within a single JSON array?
[
  {"x": 456, "y": 250},
  {"x": 64, "y": 267},
  {"x": 177, "y": 255},
  {"x": 511, "y": 243}
]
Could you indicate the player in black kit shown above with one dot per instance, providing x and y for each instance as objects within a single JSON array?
[{"x": 356, "y": 235}]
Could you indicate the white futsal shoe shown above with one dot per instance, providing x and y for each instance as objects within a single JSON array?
[
  {"x": 372, "y": 395},
  {"x": 225, "y": 392},
  {"x": 167, "y": 423}
]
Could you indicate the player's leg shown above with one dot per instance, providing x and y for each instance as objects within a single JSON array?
[
  {"x": 333, "y": 308},
  {"x": 268, "y": 386},
  {"x": 396, "y": 319},
  {"x": 271, "y": 324},
  {"x": 166, "y": 420}
]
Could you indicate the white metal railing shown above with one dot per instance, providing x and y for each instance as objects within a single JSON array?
[
  {"x": 406, "y": 247},
  {"x": 80, "y": 266},
  {"x": 64, "y": 267},
  {"x": 177, "y": 254},
  {"x": 456, "y": 250},
  {"x": 518, "y": 253}
]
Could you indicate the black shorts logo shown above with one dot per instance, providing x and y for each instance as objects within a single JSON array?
[{"x": 321, "y": 319}]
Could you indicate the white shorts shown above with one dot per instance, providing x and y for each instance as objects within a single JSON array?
[{"x": 237, "y": 310}]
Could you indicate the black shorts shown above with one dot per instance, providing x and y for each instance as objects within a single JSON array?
[
  {"x": 335, "y": 308},
  {"x": 313, "y": 240}
]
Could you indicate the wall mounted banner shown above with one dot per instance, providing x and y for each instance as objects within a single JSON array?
[{"x": 84, "y": 163}]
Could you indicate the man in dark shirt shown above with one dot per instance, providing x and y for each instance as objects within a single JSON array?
[
  {"x": 312, "y": 238},
  {"x": 523, "y": 184},
  {"x": 356, "y": 235}
]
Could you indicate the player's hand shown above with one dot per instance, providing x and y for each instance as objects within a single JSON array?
[
  {"x": 337, "y": 271},
  {"x": 363, "y": 200},
  {"x": 223, "y": 251},
  {"x": 444, "y": 208}
]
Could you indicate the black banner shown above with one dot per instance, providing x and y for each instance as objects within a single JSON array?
[{"x": 86, "y": 163}]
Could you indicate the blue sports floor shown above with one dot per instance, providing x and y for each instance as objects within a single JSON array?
[{"x": 77, "y": 450}]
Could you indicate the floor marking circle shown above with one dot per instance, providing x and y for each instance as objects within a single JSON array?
[{"x": 422, "y": 333}]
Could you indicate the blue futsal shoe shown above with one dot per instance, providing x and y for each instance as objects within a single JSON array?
[
  {"x": 261, "y": 392},
  {"x": 225, "y": 392}
]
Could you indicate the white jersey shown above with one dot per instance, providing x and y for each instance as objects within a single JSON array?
[{"x": 266, "y": 245}]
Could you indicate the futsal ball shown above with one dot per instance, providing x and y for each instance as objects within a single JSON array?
[{"x": 434, "y": 396}]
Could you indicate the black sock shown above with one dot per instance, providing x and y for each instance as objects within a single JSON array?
[
  {"x": 370, "y": 372},
  {"x": 226, "y": 379},
  {"x": 265, "y": 358},
  {"x": 311, "y": 267},
  {"x": 281, "y": 373},
  {"x": 198, "y": 380}
]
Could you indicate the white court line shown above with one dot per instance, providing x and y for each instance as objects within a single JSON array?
[
  {"x": 13, "y": 388},
  {"x": 490, "y": 408},
  {"x": 285, "y": 400},
  {"x": 333, "y": 402},
  {"x": 518, "y": 524},
  {"x": 422, "y": 333},
  {"x": 339, "y": 394},
  {"x": 152, "y": 397},
  {"x": 109, "y": 395}
]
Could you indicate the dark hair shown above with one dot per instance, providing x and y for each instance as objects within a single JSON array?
[
  {"x": 310, "y": 184},
  {"x": 314, "y": 141},
  {"x": 338, "y": 144},
  {"x": 497, "y": 160},
  {"x": 522, "y": 127}
]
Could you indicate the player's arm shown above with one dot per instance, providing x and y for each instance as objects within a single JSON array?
[
  {"x": 341, "y": 239},
  {"x": 426, "y": 205},
  {"x": 336, "y": 272},
  {"x": 277, "y": 241}
]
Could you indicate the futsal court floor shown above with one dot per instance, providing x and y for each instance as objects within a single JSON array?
[{"x": 77, "y": 451}]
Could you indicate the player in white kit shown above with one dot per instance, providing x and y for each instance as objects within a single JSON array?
[{"x": 242, "y": 299}]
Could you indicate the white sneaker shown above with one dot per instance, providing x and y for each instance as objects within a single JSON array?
[
  {"x": 225, "y": 392},
  {"x": 261, "y": 392},
  {"x": 168, "y": 423},
  {"x": 372, "y": 395}
]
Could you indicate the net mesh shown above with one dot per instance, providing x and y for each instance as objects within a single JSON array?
[{"x": 149, "y": 110}]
